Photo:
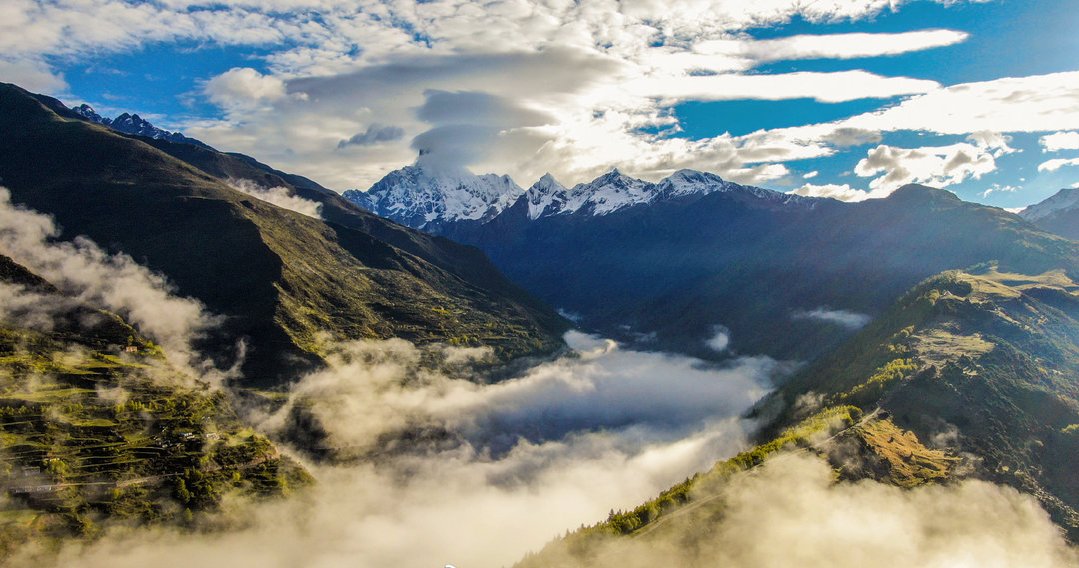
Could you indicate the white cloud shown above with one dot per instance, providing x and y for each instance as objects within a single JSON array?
[
  {"x": 1060, "y": 141},
  {"x": 848, "y": 46},
  {"x": 832, "y": 87},
  {"x": 279, "y": 196},
  {"x": 720, "y": 340},
  {"x": 31, "y": 74},
  {"x": 933, "y": 165},
  {"x": 792, "y": 512},
  {"x": 1056, "y": 164},
  {"x": 810, "y": 175},
  {"x": 84, "y": 271},
  {"x": 601, "y": 72},
  {"x": 243, "y": 87},
  {"x": 844, "y": 318},
  {"x": 347, "y": 39},
  {"x": 508, "y": 466},
  {"x": 1038, "y": 103},
  {"x": 842, "y": 192},
  {"x": 997, "y": 188}
]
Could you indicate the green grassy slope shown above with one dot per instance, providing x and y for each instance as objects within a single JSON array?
[
  {"x": 279, "y": 276},
  {"x": 974, "y": 371},
  {"x": 96, "y": 431},
  {"x": 991, "y": 357}
]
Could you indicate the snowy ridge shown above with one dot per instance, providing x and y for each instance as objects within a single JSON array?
[
  {"x": 1065, "y": 199},
  {"x": 419, "y": 195},
  {"x": 134, "y": 124},
  {"x": 546, "y": 194},
  {"x": 614, "y": 191}
]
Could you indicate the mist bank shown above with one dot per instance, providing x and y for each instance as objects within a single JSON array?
[
  {"x": 504, "y": 477},
  {"x": 792, "y": 512},
  {"x": 85, "y": 274}
]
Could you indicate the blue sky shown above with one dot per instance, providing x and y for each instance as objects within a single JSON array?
[{"x": 776, "y": 93}]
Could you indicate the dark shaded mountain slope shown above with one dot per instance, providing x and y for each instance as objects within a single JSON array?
[
  {"x": 280, "y": 277},
  {"x": 681, "y": 266}
]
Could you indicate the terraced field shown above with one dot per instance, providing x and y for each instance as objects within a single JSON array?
[{"x": 96, "y": 429}]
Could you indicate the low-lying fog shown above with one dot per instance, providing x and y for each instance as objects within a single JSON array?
[{"x": 520, "y": 462}]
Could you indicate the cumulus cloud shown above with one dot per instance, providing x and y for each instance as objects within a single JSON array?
[
  {"x": 791, "y": 512},
  {"x": 243, "y": 87},
  {"x": 81, "y": 270},
  {"x": 842, "y": 192},
  {"x": 279, "y": 196},
  {"x": 1060, "y": 141},
  {"x": 375, "y": 134},
  {"x": 595, "y": 103},
  {"x": 488, "y": 472},
  {"x": 32, "y": 74},
  {"x": 845, "y": 137},
  {"x": 1055, "y": 164},
  {"x": 843, "y": 318},
  {"x": 935, "y": 165}
]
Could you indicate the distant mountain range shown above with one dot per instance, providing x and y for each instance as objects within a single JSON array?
[
  {"x": 134, "y": 124},
  {"x": 283, "y": 280},
  {"x": 674, "y": 261},
  {"x": 1058, "y": 214},
  {"x": 430, "y": 198}
]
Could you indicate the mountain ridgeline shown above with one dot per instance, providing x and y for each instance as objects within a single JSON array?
[
  {"x": 1058, "y": 214},
  {"x": 134, "y": 124},
  {"x": 671, "y": 261},
  {"x": 284, "y": 281}
]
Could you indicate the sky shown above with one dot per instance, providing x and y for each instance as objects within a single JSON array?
[{"x": 843, "y": 98}]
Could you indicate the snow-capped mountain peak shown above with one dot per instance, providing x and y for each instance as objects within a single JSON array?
[
  {"x": 689, "y": 182},
  {"x": 545, "y": 194},
  {"x": 423, "y": 196},
  {"x": 608, "y": 193},
  {"x": 420, "y": 195},
  {"x": 134, "y": 124},
  {"x": 1067, "y": 198},
  {"x": 86, "y": 111}
]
